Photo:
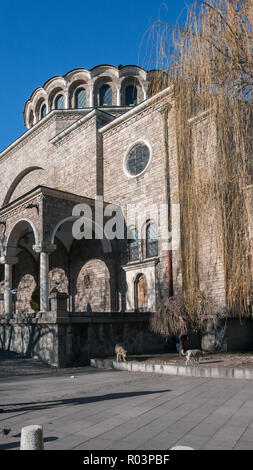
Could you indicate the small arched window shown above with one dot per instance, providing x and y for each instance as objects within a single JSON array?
[
  {"x": 133, "y": 245},
  {"x": 59, "y": 102},
  {"x": 80, "y": 98},
  {"x": 43, "y": 111},
  {"x": 131, "y": 95},
  {"x": 105, "y": 96},
  {"x": 151, "y": 241}
]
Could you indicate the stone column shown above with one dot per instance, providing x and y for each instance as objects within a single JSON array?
[
  {"x": 44, "y": 250},
  {"x": 66, "y": 100},
  {"x": 44, "y": 270},
  {"x": 7, "y": 289},
  {"x": 118, "y": 96},
  {"x": 8, "y": 262},
  {"x": 91, "y": 97}
]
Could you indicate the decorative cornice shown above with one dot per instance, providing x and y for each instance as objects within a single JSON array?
[
  {"x": 141, "y": 264},
  {"x": 38, "y": 194},
  {"x": 8, "y": 212}
]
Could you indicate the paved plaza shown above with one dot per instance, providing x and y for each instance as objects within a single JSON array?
[{"x": 99, "y": 409}]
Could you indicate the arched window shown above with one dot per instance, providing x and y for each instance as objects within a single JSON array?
[
  {"x": 80, "y": 98},
  {"x": 131, "y": 95},
  {"x": 133, "y": 246},
  {"x": 151, "y": 241},
  {"x": 59, "y": 102},
  {"x": 43, "y": 111},
  {"x": 105, "y": 96}
]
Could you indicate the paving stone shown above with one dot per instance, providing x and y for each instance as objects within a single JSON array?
[{"x": 91, "y": 420}]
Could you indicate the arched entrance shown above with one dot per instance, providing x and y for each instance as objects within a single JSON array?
[
  {"x": 20, "y": 267},
  {"x": 141, "y": 293}
]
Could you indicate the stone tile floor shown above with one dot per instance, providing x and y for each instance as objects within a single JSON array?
[{"x": 121, "y": 410}]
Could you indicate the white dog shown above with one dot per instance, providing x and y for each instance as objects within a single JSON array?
[{"x": 192, "y": 355}]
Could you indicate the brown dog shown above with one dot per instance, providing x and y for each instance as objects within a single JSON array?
[{"x": 120, "y": 352}]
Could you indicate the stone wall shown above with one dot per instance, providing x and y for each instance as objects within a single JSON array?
[
  {"x": 40, "y": 341},
  {"x": 210, "y": 242},
  {"x": 68, "y": 342},
  {"x": 147, "y": 189}
]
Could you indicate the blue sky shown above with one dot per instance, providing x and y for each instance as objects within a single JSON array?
[{"x": 40, "y": 39}]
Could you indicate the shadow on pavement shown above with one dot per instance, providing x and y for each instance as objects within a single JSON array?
[
  {"x": 13, "y": 445},
  {"x": 33, "y": 406}
]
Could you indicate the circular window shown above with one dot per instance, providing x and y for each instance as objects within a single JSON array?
[{"x": 137, "y": 159}]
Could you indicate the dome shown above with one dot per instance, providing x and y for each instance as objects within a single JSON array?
[{"x": 102, "y": 86}]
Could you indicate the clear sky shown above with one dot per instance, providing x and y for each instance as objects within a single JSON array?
[{"x": 40, "y": 39}]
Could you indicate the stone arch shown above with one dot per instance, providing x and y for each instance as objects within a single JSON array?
[
  {"x": 101, "y": 81},
  {"x": 41, "y": 101},
  {"x": 27, "y": 112},
  {"x": 73, "y": 88},
  {"x": 106, "y": 244},
  {"x": 21, "y": 228},
  {"x": 17, "y": 180},
  {"x": 93, "y": 293},
  {"x": 39, "y": 98},
  {"x": 31, "y": 119},
  {"x": 131, "y": 81},
  {"x": 53, "y": 95}
]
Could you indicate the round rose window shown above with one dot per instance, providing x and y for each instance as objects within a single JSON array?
[{"x": 137, "y": 159}]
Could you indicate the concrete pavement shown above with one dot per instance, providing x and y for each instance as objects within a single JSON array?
[{"x": 100, "y": 409}]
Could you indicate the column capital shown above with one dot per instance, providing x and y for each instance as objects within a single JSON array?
[
  {"x": 44, "y": 247},
  {"x": 8, "y": 260}
]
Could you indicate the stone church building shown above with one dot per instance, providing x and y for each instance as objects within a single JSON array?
[{"x": 93, "y": 135}]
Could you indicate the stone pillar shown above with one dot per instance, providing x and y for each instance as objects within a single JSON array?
[
  {"x": 59, "y": 303},
  {"x": 32, "y": 438},
  {"x": 8, "y": 262},
  {"x": 118, "y": 97},
  {"x": 91, "y": 97},
  {"x": 7, "y": 289},
  {"x": 44, "y": 251},
  {"x": 66, "y": 100},
  {"x": 44, "y": 270}
]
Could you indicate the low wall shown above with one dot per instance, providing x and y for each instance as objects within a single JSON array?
[
  {"x": 72, "y": 340},
  {"x": 62, "y": 340},
  {"x": 192, "y": 370},
  {"x": 40, "y": 341}
]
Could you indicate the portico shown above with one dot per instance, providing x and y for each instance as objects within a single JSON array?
[{"x": 30, "y": 227}]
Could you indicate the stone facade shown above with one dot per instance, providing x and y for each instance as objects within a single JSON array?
[{"x": 72, "y": 155}]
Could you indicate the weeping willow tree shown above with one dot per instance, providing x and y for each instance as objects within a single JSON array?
[{"x": 209, "y": 61}]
